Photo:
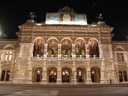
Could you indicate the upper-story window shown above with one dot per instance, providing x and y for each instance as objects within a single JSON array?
[
  {"x": 93, "y": 48},
  {"x": 120, "y": 54},
  {"x": 80, "y": 48},
  {"x": 38, "y": 48},
  {"x": 120, "y": 57},
  {"x": 66, "y": 48},
  {"x": 8, "y": 54},
  {"x": 52, "y": 48}
]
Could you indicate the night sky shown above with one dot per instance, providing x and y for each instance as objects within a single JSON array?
[{"x": 14, "y": 13}]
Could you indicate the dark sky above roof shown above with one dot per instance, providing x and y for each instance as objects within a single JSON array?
[{"x": 14, "y": 13}]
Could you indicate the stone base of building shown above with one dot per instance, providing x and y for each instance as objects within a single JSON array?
[
  {"x": 104, "y": 81},
  {"x": 44, "y": 81},
  {"x": 21, "y": 81},
  {"x": 114, "y": 81}
]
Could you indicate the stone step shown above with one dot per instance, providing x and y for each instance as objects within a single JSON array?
[{"x": 65, "y": 86}]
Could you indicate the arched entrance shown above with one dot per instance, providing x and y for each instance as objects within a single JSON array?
[
  {"x": 52, "y": 72},
  {"x": 125, "y": 75},
  {"x": 95, "y": 74},
  {"x": 80, "y": 74},
  {"x": 66, "y": 75},
  {"x": 122, "y": 76},
  {"x": 38, "y": 74},
  {"x": 5, "y": 75}
]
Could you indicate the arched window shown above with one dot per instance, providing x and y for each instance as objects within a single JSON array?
[
  {"x": 38, "y": 48},
  {"x": 119, "y": 53},
  {"x": 80, "y": 48},
  {"x": 52, "y": 48},
  {"x": 66, "y": 48},
  {"x": 9, "y": 51},
  {"x": 120, "y": 57},
  {"x": 93, "y": 48}
]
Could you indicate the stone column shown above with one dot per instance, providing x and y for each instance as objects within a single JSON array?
[
  {"x": 101, "y": 50},
  {"x": 29, "y": 72},
  {"x": 87, "y": 50},
  {"x": 113, "y": 74},
  {"x": 73, "y": 51},
  {"x": 59, "y": 79},
  {"x": 88, "y": 80},
  {"x": 74, "y": 80},
  {"x": 16, "y": 72},
  {"x": 59, "y": 50},
  {"x": 103, "y": 79},
  {"x": 44, "y": 74},
  {"x": 45, "y": 50},
  {"x": 111, "y": 52}
]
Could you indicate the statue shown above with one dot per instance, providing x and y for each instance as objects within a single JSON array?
[
  {"x": 31, "y": 16},
  {"x": 99, "y": 18}
]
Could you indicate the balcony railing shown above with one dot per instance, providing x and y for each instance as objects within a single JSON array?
[{"x": 66, "y": 58}]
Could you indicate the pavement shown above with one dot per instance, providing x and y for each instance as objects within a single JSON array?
[{"x": 60, "y": 90}]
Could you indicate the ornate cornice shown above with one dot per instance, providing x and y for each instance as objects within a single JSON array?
[{"x": 65, "y": 28}]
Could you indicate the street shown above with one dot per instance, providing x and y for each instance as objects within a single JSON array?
[{"x": 21, "y": 90}]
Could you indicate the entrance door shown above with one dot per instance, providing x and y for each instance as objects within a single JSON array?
[
  {"x": 3, "y": 75},
  {"x": 52, "y": 76},
  {"x": 66, "y": 75},
  {"x": 79, "y": 75},
  {"x": 125, "y": 75},
  {"x": 120, "y": 76},
  {"x": 95, "y": 74},
  {"x": 8, "y": 75},
  {"x": 38, "y": 74}
]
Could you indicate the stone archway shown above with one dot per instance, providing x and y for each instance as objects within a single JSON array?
[
  {"x": 80, "y": 74},
  {"x": 37, "y": 74},
  {"x": 5, "y": 76},
  {"x": 95, "y": 74},
  {"x": 66, "y": 75},
  {"x": 52, "y": 74}
]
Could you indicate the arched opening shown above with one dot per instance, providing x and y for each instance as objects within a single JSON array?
[
  {"x": 125, "y": 75},
  {"x": 80, "y": 48},
  {"x": 38, "y": 75},
  {"x": 38, "y": 50},
  {"x": 66, "y": 48},
  {"x": 8, "y": 75},
  {"x": 52, "y": 48},
  {"x": 5, "y": 76},
  {"x": 52, "y": 72},
  {"x": 8, "y": 53},
  {"x": 93, "y": 48},
  {"x": 80, "y": 74},
  {"x": 120, "y": 76},
  {"x": 66, "y": 75},
  {"x": 95, "y": 74}
]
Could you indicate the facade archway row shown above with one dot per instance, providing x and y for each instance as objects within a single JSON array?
[
  {"x": 65, "y": 47},
  {"x": 66, "y": 75}
]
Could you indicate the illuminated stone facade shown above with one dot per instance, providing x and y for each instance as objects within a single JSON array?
[{"x": 63, "y": 54}]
